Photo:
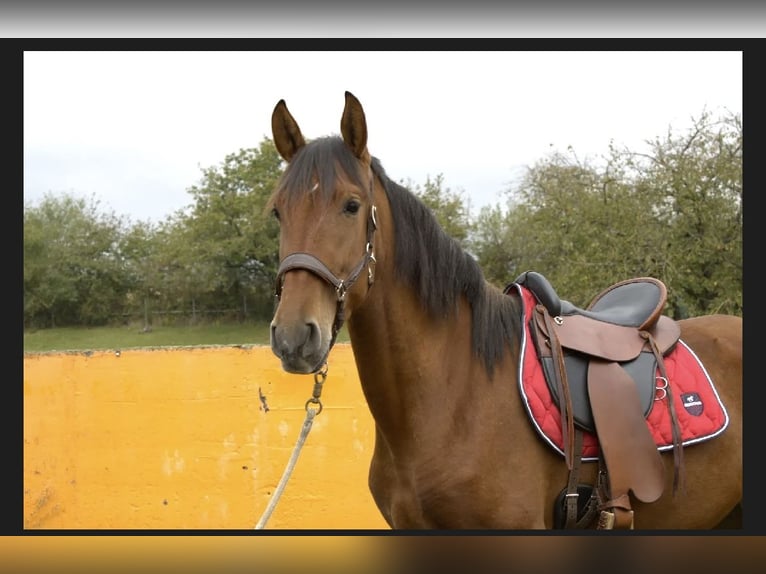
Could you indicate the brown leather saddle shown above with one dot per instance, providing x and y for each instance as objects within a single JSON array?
[{"x": 601, "y": 365}]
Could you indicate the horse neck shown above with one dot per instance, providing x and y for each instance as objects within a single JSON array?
[
  {"x": 408, "y": 361},
  {"x": 393, "y": 343}
]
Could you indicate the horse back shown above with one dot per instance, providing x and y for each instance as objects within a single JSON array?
[
  {"x": 713, "y": 468},
  {"x": 717, "y": 342}
]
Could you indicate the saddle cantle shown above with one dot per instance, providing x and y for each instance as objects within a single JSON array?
[{"x": 601, "y": 364}]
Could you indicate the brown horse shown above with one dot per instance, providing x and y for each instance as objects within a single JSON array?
[{"x": 437, "y": 350}]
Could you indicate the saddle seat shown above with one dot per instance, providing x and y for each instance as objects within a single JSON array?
[
  {"x": 609, "y": 327},
  {"x": 632, "y": 303},
  {"x": 600, "y": 364}
]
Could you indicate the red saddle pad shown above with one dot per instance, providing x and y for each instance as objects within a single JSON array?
[{"x": 700, "y": 412}]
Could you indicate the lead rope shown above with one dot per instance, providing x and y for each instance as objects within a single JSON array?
[{"x": 311, "y": 412}]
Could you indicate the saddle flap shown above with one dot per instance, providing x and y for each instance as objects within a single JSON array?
[
  {"x": 593, "y": 337},
  {"x": 631, "y": 456},
  {"x": 642, "y": 370}
]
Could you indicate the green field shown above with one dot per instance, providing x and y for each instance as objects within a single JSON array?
[{"x": 98, "y": 338}]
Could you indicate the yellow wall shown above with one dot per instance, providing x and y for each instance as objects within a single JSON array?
[{"x": 178, "y": 438}]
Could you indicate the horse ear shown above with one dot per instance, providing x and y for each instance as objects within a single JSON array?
[
  {"x": 287, "y": 135},
  {"x": 353, "y": 126}
]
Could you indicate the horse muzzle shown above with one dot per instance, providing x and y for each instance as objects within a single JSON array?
[{"x": 301, "y": 346}]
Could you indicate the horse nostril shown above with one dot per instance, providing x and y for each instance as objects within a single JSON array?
[
  {"x": 281, "y": 342},
  {"x": 302, "y": 340},
  {"x": 313, "y": 339},
  {"x": 273, "y": 337}
]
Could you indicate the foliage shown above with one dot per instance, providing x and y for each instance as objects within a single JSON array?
[
  {"x": 451, "y": 208},
  {"x": 229, "y": 241},
  {"x": 73, "y": 274},
  {"x": 673, "y": 212},
  {"x": 494, "y": 244},
  {"x": 697, "y": 182},
  {"x": 582, "y": 228}
]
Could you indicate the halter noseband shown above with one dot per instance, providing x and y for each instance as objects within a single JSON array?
[{"x": 308, "y": 262}]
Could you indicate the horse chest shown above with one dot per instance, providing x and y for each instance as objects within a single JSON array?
[
  {"x": 444, "y": 492},
  {"x": 416, "y": 504}
]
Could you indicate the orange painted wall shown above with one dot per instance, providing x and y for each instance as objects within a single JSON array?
[{"x": 178, "y": 438}]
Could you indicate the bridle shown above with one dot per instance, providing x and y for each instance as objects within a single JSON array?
[{"x": 309, "y": 262}]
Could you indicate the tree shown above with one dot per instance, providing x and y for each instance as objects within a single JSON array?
[
  {"x": 72, "y": 269},
  {"x": 579, "y": 226},
  {"x": 674, "y": 213},
  {"x": 189, "y": 281},
  {"x": 138, "y": 249},
  {"x": 229, "y": 228},
  {"x": 697, "y": 179},
  {"x": 493, "y": 245},
  {"x": 451, "y": 208}
]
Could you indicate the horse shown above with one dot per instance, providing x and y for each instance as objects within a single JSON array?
[{"x": 437, "y": 349}]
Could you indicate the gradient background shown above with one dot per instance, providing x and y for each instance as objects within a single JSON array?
[
  {"x": 302, "y": 18},
  {"x": 517, "y": 25}
]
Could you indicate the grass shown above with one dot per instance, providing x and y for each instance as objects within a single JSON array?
[{"x": 100, "y": 338}]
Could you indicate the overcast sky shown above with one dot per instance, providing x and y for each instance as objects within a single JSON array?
[{"x": 134, "y": 129}]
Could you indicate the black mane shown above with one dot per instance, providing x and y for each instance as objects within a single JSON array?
[{"x": 441, "y": 271}]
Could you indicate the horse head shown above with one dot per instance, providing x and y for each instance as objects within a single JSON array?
[{"x": 324, "y": 205}]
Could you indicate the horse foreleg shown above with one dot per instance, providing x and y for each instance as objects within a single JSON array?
[{"x": 382, "y": 479}]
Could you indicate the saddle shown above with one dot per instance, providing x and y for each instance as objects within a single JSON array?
[{"x": 601, "y": 364}]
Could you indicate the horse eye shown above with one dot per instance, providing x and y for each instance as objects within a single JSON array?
[
  {"x": 275, "y": 213},
  {"x": 352, "y": 206}
]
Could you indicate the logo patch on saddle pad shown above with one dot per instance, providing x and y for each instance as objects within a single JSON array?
[
  {"x": 692, "y": 403},
  {"x": 702, "y": 417}
]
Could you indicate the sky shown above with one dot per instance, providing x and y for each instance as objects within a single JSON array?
[{"x": 134, "y": 129}]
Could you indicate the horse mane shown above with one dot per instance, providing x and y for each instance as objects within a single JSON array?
[
  {"x": 440, "y": 271},
  {"x": 426, "y": 258}
]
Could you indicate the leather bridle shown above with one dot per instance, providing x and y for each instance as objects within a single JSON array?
[{"x": 311, "y": 263}]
